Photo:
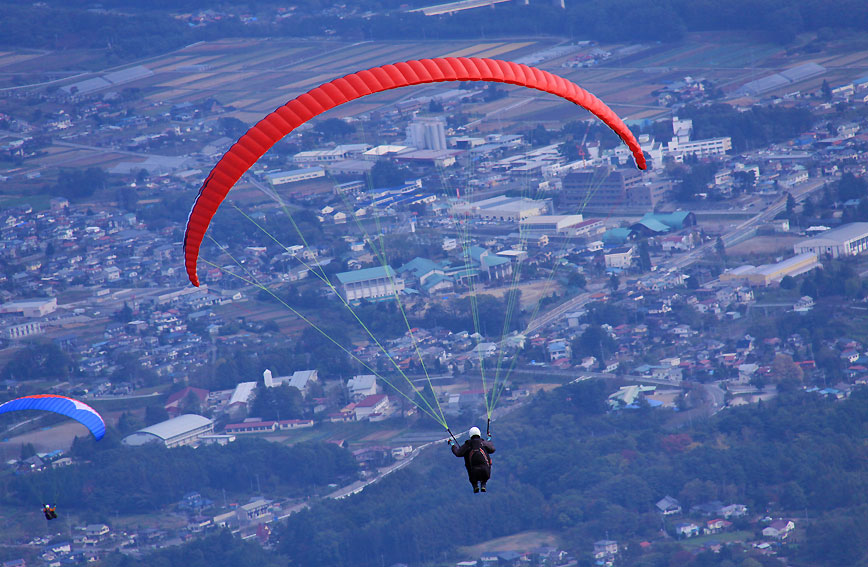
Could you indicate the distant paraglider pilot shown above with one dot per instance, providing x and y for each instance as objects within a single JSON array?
[
  {"x": 477, "y": 459},
  {"x": 50, "y": 512}
]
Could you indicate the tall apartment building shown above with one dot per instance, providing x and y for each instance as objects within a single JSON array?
[{"x": 606, "y": 187}]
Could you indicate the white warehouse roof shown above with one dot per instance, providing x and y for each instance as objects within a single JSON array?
[{"x": 167, "y": 430}]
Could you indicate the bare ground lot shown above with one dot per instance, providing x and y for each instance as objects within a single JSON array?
[
  {"x": 764, "y": 245},
  {"x": 523, "y": 541},
  {"x": 531, "y": 292}
]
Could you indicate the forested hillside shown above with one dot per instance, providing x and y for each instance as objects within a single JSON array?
[{"x": 565, "y": 465}]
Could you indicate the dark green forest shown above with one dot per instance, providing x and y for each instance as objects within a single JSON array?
[
  {"x": 149, "y": 478},
  {"x": 134, "y": 29},
  {"x": 214, "y": 551},
  {"x": 566, "y": 465},
  {"x": 563, "y": 464}
]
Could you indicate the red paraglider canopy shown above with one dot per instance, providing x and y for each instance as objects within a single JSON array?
[{"x": 268, "y": 131}]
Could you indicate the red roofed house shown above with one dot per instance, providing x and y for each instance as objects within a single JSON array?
[
  {"x": 375, "y": 404},
  {"x": 178, "y": 401}
]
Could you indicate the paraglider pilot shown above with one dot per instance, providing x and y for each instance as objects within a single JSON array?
[
  {"x": 50, "y": 512},
  {"x": 476, "y": 458}
]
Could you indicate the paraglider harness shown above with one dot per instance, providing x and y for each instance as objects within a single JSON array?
[
  {"x": 486, "y": 458},
  {"x": 50, "y": 512},
  {"x": 475, "y": 462}
]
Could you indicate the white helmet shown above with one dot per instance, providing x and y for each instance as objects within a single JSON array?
[{"x": 474, "y": 432}]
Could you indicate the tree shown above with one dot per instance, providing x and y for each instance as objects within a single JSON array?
[
  {"x": 644, "y": 256},
  {"x": 155, "y": 414},
  {"x": 613, "y": 282},
  {"x": 720, "y": 249},
  {"x": 576, "y": 279},
  {"x": 783, "y": 368},
  {"x": 280, "y": 402},
  {"x": 386, "y": 173},
  {"x": 826, "y": 90},
  {"x": 232, "y": 127},
  {"x": 791, "y": 206},
  {"x": 334, "y": 128}
]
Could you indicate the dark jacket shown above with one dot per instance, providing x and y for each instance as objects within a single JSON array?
[{"x": 467, "y": 449}]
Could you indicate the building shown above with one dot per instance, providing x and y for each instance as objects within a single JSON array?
[
  {"x": 24, "y": 330},
  {"x": 371, "y": 406},
  {"x": 768, "y": 274},
  {"x": 621, "y": 257},
  {"x": 605, "y": 550},
  {"x": 189, "y": 395},
  {"x": 429, "y": 158},
  {"x": 607, "y": 187},
  {"x": 252, "y": 426},
  {"x": 503, "y": 208},
  {"x": 779, "y": 529},
  {"x": 294, "y": 175},
  {"x": 427, "y": 134},
  {"x": 369, "y": 283},
  {"x": 681, "y": 143},
  {"x": 362, "y": 386},
  {"x": 242, "y": 392},
  {"x": 176, "y": 432},
  {"x": 341, "y": 152},
  {"x": 846, "y": 240},
  {"x": 551, "y": 224},
  {"x": 30, "y": 307},
  {"x": 252, "y": 511},
  {"x": 300, "y": 379}
]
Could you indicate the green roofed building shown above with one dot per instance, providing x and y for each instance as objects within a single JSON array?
[
  {"x": 653, "y": 224},
  {"x": 369, "y": 283},
  {"x": 617, "y": 236}
]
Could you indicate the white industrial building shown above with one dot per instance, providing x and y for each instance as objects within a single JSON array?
[
  {"x": 369, "y": 283},
  {"x": 337, "y": 153},
  {"x": 294, "y": 175},
  {"x": 846, "y": 240},
  {"x": 503, "y": 208},
  {"x": 300, "y": 379},
  {"x": 551, "y": 224},
  {"x": 30, "y": 307},
  {"x": 176, "y": 432},
  {"x": 768, "y": 274},
  {"x": 427, "y": 134},
  {"x": 24, "y": 330},
  {"x": 681, "y": 143}
]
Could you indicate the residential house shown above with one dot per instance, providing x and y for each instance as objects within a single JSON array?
[
  {"x": 668, "y": 506},
  {"x": 687, "y": 529},
  {"x": 362, "y": 386},
  {"x": 252, "y": 510},
  {"x": 779, "y": 529},
  {"x": 372, "y": 407},
  {"x": 605, "y": 549},
  {"x": 716, "y": 526}
]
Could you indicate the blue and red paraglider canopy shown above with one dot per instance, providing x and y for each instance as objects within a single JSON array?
[{"x": 62, "y": 405}]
